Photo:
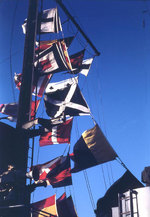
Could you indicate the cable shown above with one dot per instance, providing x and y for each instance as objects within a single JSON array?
[
  {"x": 89, "y": 189},
  {"x": 11, "y": 40}
]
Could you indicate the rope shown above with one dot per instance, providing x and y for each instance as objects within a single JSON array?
[
  {"x": 89, "y": 189},
  {"x": 11, "y": 39},
  {"x": 104, "y": 177}
]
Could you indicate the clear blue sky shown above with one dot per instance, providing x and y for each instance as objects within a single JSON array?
[{"x": 117, "y": 88}]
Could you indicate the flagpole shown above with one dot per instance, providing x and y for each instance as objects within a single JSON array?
[
  {"x": 25, "y": 98},
  {"x": 97, "y": 53}
]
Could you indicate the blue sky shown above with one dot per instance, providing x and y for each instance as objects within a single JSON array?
[{"x": 117, "y": 88}]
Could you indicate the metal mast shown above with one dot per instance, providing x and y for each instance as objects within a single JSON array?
[{"x": 26, "y": 96}]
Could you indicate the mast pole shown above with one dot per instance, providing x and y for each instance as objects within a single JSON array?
[
  {"x": 78, "y": 27},
  {"x": 25, "y": 99}
]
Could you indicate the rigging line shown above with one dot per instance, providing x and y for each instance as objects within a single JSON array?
[
  {"x": 11, "y": 40},
  {"x": 74, "y": 198},
  {"x": 108, "y": 174},
  {"x": 89, "y": 189},
  {"x": 101, "y": 102},
  {"x": 8, "y": 58},
  {"x": 121, "y": 162},
  {"x": 104, "y": 177},
  {"x": 111, "y": 172}
]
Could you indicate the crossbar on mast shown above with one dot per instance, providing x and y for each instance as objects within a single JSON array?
[{"x": 77, "y": 25}]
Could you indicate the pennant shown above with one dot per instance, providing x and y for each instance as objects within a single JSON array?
[
  {"x": 48, "y": 22},
  {"x": 58, "y": 134},
  {"x": 46, "y": 207},
  {"x": 66, "y": 208},
  {"x": 53, "y": 59},
  {"x": 84, "y": 68},
  {"x": 110, "y": 199},
  {"x": 64, "y": 97},
  {"x": 11, "y": 109},
  {"x": 61, "y": 176},
  {"x": 76, "y": 59},
  {"x": 56, "y": 171},
  {"x": 47, "y": 44},
  {"x": 40, "y": 86},
  {"x": 39, "y": 83},
  {"x": 18, "y": 80},
  {"x": 92, "y": 149},
  {"x": 34, "y": 108}
]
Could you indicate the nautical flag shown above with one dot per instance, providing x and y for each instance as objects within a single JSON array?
[
  {"x": 92, "y": 149},
  {"x": 39, "y": 84},
  {"x": 39, "y": 87},
  {"x": 110, "y": 199},
  {"x": 64, "y": 97},
  {"x": 11, "y": 109},
  {"x": 58, "y": 134},
  {"x": 54, "y": 59},
  {"x": 49, "y": 21},
  {"x": 84, "y": 68},
  {"x": 66, "y": 208},
  {"x": 61, "y": 176},
  {"x": 46, "y": 207},
  {"x": 18, "y": 80},
  {"x": 76, "y": 59},
  {"x": 46, "y": 44},
  {"x": 56, "y": 171}
]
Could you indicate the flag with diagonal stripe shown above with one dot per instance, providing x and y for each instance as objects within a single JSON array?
[{"x": 64, "y": 97}]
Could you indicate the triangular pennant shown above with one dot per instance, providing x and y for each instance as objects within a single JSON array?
[
  {"x": 46, "y": 44},
  {"x": 76, "y": 59},
  {"x": 92, "y": 149},
  {"x": 84, "y": 68},
  {"x": 56, "y": 171}
]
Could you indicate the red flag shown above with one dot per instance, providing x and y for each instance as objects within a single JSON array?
[
  {"x": 76, "y": 59},
  {"x": 34, "y": 108},
  {"x": 56, "y": 172},
  {"x": 58, "y": 134},
  {"x": 46, "y": 207},
  {"x": 12, "y": 108},
  {"x": 39, "y": 83}
]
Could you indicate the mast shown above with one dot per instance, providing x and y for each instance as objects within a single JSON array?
[{"x": 25, "y": 96}]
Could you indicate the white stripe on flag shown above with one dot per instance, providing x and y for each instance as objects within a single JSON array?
[{"x": 54, "y": 135}]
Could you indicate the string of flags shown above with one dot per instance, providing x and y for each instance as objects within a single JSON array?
[{"x": 63, "y": 101}]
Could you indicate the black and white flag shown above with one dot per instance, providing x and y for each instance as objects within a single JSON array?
[
  {"x": 65, "y": 98},
  {"x": 84, "y": 68},
  {"x": 53, "y": 59},
  {"x": 49, "y": 21}
]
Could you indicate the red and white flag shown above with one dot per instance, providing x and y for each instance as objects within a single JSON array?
[{"x": 58, "y": 134}]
